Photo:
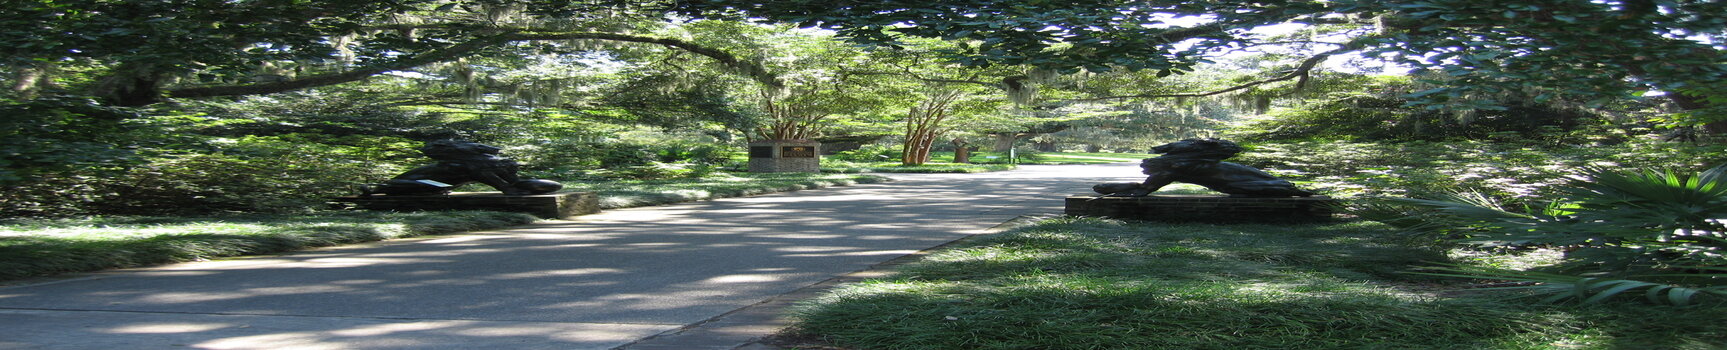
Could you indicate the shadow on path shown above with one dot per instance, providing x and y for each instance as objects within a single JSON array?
[{"x": 596, "y": 282}]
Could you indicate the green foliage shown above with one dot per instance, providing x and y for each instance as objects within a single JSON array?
[
  {"x": 896, "y": 167},
  {"x": 1386, "y": 116},
  {"x": 625, "y": 193},
  {"x": 1086, "y": 283},
  {"x": 697, "y": 153},
  {"x": 1594, "y": 50},
  {"x": 1620, "y": 231},
  {"x": 251, "y": 174},
  {"x": 1510, "y": 173},
  {"x": 1086, "y": 158},
  {"x": 1587, "y": 290},
  {"x": 869, "y": 153},
  {"x": 620, "y": 155},
  {"x": 1110, "y": 34},
  {"x": 655, "y": 171},
  {"x": 59, "y": 134}
]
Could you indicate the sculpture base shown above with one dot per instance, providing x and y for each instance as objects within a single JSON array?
[
  {"x": 1204, "y": 208},
  {"x": 548, "y": 206}
]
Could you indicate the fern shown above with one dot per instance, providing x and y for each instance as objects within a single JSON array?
[
  {"x": 1586, "y": 290},
  {"x": 1621, "y": 231}
]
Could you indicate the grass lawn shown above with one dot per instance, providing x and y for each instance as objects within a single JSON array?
[
  {"x": 43, "y": 247},
  {"x": 896, "y": 167},
  {"x": 1082, "y": 283},
  {"x": 635, "y": 193},
  {"x": 1050, "y": 158},
  {"x": 942, "y": 162},
  {"x": 1082, "y": 158}
]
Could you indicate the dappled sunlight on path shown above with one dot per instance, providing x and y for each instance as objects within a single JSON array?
[{"x": 600, "y": 280}]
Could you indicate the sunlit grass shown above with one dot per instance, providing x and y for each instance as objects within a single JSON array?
[
  {"x": 832, "y": 166},
  {"x": 1087, "y": 158},
  {"x": 636, "y": 193},
  {"x": 1045, "y": 158},
  {"x": 1101, "y": 284}
]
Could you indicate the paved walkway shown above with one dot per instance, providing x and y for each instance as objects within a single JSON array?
[{"x": 671, "y": 277}]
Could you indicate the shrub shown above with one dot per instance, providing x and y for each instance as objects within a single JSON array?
[
  {"x": 698, "y": 153},
  {"x": 870, "y": 153},
  {"x": 1358, "y": 117},
  {"x": 1620, "y": 231},
  {"x": 253, "y": 174},
  {"x": 56, "y": 136},
  {"x": 656, "y": 171},
  {"x": 1511, "y": 173}
]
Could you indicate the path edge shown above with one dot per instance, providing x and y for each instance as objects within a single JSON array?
[{"x": 746, "y": 328}]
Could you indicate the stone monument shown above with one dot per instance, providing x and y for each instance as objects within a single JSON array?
[
  {"x": 1252, "y": 195},
  {"x": 459, "y": 163},
  {"x": 785, "y": 156}
]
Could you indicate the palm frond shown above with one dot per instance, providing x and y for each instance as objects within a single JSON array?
[{"x": 1584, "y": 290}]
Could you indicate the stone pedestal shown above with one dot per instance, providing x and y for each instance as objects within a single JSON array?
[
  {"x": 785, "y": 156},
  {"x": 1204, "y": 208},
  {"x": 549, "y": 206}
]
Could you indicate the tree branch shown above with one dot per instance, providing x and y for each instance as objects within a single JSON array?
[
  {"x": 1301, "y": 72},
  {"x": 932, "y": 80},
  {"x": 440, "y": 55},
  {"x": 754, "y": 70}
]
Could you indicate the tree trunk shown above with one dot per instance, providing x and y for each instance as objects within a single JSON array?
[
  {"x": 31, "y": 79},
  {"x": 917, "y": 147},
  {"x": 961, "y": 153},
  {"x": 1692, "y": 103},
  {"x": 923, "y": 124},
  {"x": 1045, "y": 146},
  {"x": 1004, "y": 141}
]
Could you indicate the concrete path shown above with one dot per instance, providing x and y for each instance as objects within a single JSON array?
[{"x": 664, "y": 274}]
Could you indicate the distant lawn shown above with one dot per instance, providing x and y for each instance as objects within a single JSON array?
[
  {"x": 1065, "y": 158},
  {"x": 44, "y": 247},
  {"x": 636, "y": 193},
  {"x": 1051, "y": 158},
  {"x": 942, "y": 162},
  {"x": 1077, "y": 283},
  {"x": 896, "y": 167}
]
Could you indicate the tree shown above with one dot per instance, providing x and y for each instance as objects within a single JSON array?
[
  {"x": 1600, "y": 49},
  {"x": 149, "y": 49},
  {"x": 1140, "y": 126}
]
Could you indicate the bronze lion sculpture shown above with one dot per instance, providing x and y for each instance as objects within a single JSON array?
[
  {"x": 460, "y": 163},
  {"x": 1200, "y": 162}
]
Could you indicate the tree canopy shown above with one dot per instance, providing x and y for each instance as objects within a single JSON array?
[
  {"x": 186, "y": 48},
  {"x": 1593, "y": 49}
]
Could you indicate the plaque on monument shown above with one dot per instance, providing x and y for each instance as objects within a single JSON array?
[
  {"x": 761, "y": 151},
  {"x": 797, "y": 152}
]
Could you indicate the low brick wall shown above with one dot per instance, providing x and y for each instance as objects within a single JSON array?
[
  {"x": 549, "y": 206},
  {"x": 1203, "y": 208}
]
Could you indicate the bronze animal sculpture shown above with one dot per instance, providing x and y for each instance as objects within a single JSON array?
[
  {"x": 460, "y": 163},
  {"x": 1200, "y": 162}
]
